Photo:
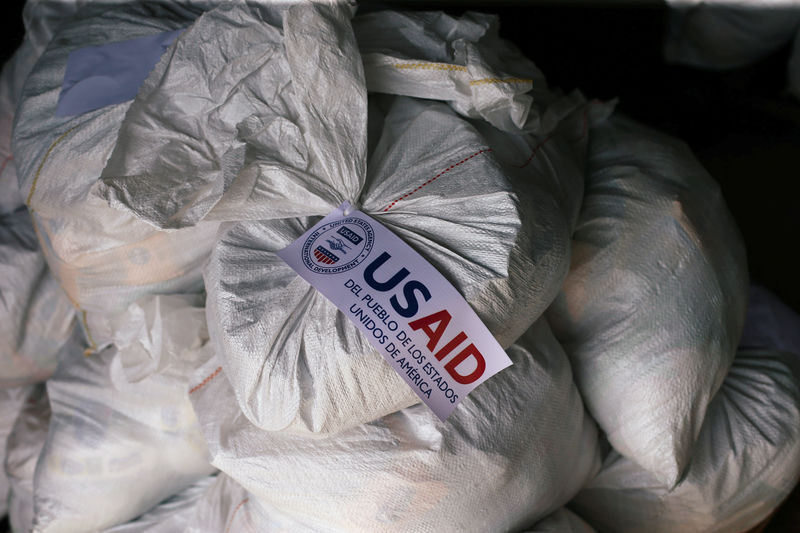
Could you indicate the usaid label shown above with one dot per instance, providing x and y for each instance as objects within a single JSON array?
[
  {"x": 409, "y": 312},
  {"x": 337, "y": 246}
]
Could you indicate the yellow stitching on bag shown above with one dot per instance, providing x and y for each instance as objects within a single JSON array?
[
  {"x": 41, "y": 165},
  {"x": 498, "y": 80},
  {"x": 93, "y": 348},
  {"x": 93, "y": 345},
  {"x": 459, "y": 68},
  {"x": 430, "y": 66}
]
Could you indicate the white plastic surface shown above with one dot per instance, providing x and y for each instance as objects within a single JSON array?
[
  {"x": 116, "y": 447},
  {"x": 745, "y": 462},
  {"x": 23, "y": 447},
  {"x": 516, "y": 450},
  {"x": 651, "y": 312},
  {"x": 280, "y": 137},
  {"x": 103, "y": 258}
]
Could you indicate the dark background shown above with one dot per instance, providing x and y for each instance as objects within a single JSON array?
[{"x": 741, "y": 124}]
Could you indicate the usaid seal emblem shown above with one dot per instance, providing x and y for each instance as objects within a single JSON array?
[{"x": 338, "y": 246}]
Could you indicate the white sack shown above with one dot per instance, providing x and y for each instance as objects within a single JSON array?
[
  {"x": 24, "y": 445},
  {"x": 41, "y": 18},
  {"x": 172, "y": 515},
  {"x": 652, "y": 309},
  {"x": 161, "y": 335},
  {"x": 22, "y": 450},
  {"x": 459, "y": 60},
  {"x": 519, "y": 447},
  {"x": 115, "y": 447},
  {"x": 290, "y": 140},
  {"x": 103, "y": 258},
  {"x": 720, "y": 35},
  {"x": 227, "y": 507},
  {"x": 36, "y": 317},
  {"x": 12, "y": 402},
  {"x": 745, "y": 462},
  {"x": 562, "y": 521}
]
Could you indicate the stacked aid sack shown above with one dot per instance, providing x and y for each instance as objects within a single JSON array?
[{"x": 204, "y": 386}]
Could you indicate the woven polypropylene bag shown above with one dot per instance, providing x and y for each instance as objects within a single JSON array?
[
  {"x": 295, "y": 359},
  {"x": 104, "y": 258},
  {"x": 515, "y": 450},
  {"x": 41, "y": 19},
  {"x": 288, "y": 143},
  {"x": 116, "y": 447},
  {"x": 226, "y": 506},
  {"x": 745, "y": 462},
  {"x": 652, "y": 309},
  {"x": 172, "y": 515},
  {"x": 460, "y": 60},
  {"x": 23, "y": 447},
  {"x": 12, "y": 403},
  {"x": 36, "y": 317}
]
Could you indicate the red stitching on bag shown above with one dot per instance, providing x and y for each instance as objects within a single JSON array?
[
  {"x": 203, "y": 383},
  {"x": 448, "y": 169},
  {"x": 530, "y": 158},
  {"x": 230, "y": 522},
  {"x": 584, "y": 131}
]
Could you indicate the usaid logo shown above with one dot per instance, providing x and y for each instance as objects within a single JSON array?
[{"x": 338, "y": 246}]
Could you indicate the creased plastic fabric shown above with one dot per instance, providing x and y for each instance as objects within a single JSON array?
[
  {"x": 12, "y": 403},
  {"x": 41, "y": 19},
  {"x": 116, "y": 448},
  {"x": 652, "y": 309},
  {"x": 172, "y": 515},
  {"x": 104, "y": 258},
  {"x": 747, "y": 456},
  {"x": 227, "y": 506},
  {"x": 36, "y": 317},
  {"x": 514, "y": 451},
  {"x": 160, "y": 335},
  {"x": 745, "y": 462},
  {"x": 23, "y": 447},
  {"x": 459, "y": 60},
  {"x": 280, "y": 137}
]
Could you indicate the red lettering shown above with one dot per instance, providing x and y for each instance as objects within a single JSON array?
[
  {"x": 439, "y": 317},
  {"x": 450, "y": 346},
  {"x": 469, "y": 351}
]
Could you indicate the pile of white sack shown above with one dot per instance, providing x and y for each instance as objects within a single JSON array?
[{"x": 165, "y": 371}]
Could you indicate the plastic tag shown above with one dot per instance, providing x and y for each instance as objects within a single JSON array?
[
  {"x": 409, "y": 312},
  {"x": 98, "y": 76}
]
